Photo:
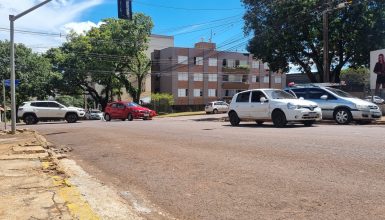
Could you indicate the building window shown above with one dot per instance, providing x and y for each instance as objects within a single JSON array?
[
  {"x": 245, "y": 78},
  {"x": 235, "y": 78},
  {"x": 182, "y": 60},
  {"x": 230, "y": 92},
  {"x": 225, "y": 78},
  {"x": 198, "y": 93},
  {"x": 254, "y": 79},
  {"x": 231, "y": 63},
  {"x": 213, "y": 77},
  {"x": 198, "y": 76},
  {"x": 212, "y": 92},
  {"x": 182, "y": 92},
  {"x": 266, "y": 79},
  {"x": 243, "y": 63},
  {"x": 278, "y": 79},
  {"x": 255, "y": 64},
  {"x": 266, "y": 66},
  {"x": 198, "y": 61},
  {"x": 182, "y": 76},
  {"x": 213, "y": 61}
]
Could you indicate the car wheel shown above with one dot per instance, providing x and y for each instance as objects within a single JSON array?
[
  {"x": 234, "y": 119},
  {"x": 123, "y": 119},
  {"x": 342, "y": 116},
  {"x": 130, "y": 117},
  {"x": 215, "y": 111},
  {"x": 30, "y": 119},
  {"x": 71, "y": 118},
  {"x": 107, "y": 117},
  {"x": 279, "y": 119},
  {"x": 308, "y": 123},
  {"x": 259, "y": 122}
]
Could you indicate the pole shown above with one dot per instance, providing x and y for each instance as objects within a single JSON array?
[
  {"x": 326, "y": 45},
  {"x": 13, "y": 91},
  {"x": 12, "y": 19},
  {"x": 5, "y": 107}
]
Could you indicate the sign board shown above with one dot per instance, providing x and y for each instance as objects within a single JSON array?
[
  {"x": 125, "y": 9},
  {"x": 7, "y": 82},
  {"x": 377, "y": 71}
]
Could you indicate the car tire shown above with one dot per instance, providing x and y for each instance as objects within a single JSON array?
[
  {"x": 259, "y": 122},
  {"x": 215, "y": 111},
  {"x": 71, "y": 118},
  {"x": 342, "y": 116},
  {"x": 30, "y": 119},
  {"x": 308, "y": 123},
  {"x": 234, "y": 119},
  {"x": 279, "y": 119},
  {"x": 123, "y": 119},
  {"x": 107, "y": 117},
  {"x": 130, "y": 117}
]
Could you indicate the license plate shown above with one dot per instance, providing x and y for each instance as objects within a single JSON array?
[
  {"x": 312, "y": 114},
  {"x": 146, "y": 115}
]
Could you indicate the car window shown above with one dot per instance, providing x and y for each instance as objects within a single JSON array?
[
  {"x": 256, "y": 96},
  {"x": 243, "y": 97},
  {"x": 299, "y": 93},
  {"x": 120, "y": 106},
  {"x": 132, "y": 104},
  {"x": 279, "y": 94},
  {"x": 340, "y": 92},
  {"x": 315, "y": 93},
  {"x": 53, "y": 105},
  {"x": 114, "y": 105},
  {"x": 40, "y": 104}
]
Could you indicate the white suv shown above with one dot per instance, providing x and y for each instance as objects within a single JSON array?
[
  {"x": 216, "y": 107},
  {"x": 272, "y": 105},
  {"x": 33, "y": 111}
]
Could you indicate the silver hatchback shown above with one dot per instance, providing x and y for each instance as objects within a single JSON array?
[{"x": 216, "y": 107}]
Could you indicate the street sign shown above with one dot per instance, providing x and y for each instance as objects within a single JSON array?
[
  {"x": 125, "y": 9},
  {"x": 7, "y": 82}
]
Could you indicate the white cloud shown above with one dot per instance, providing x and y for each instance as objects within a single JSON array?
[
  {"x": 55, "y": 17},
  {"x": 80, "y": 27}
]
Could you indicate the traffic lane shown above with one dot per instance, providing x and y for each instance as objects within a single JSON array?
[{"x": 209, "y": 170}]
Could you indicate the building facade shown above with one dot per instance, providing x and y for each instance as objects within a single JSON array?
[{"x": 196, "y": 76}]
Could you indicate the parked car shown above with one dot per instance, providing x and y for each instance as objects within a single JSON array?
[
  {"x": 127, "y": 110},
  {"x": 216, "y": 107},
  {"x": 272, "y": 105},
  {"x": 94, "y": 114},
  {"x": 34, "y": 111},
  {"x": 375, "y": 99},
  {"x": 338, "y": 105}
]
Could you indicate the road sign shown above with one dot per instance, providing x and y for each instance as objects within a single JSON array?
[
  {"x": 125, "y": 9},
  {"x": 7, "y": 82}
]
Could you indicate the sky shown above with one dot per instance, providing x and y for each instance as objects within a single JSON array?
[{"x": 188, "y": 21}]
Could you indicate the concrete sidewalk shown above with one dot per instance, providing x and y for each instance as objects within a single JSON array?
[{"x": 34, "y": 184}]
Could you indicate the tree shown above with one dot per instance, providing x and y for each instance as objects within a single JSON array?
[
  {"x": 108, "y": 56},
  {"x": 32, "y": 69},
  {"x": 291, "y": 32},
  {"x": 356, "y": 78}
]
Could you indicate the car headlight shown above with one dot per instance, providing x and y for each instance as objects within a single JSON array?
[
  {"x": 291, "y": 106},
  {"x": 362, "y": 107}
]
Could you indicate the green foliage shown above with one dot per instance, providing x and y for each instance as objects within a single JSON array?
[
  {"x": 67, "y": 100},
  {"x": 33, "y": 71},
  {"x": 110, "y": 56},
  {"x": 359, "y": 77},
  {"x": 291, "y": 32},
  {"x": 162, "y": 102}
]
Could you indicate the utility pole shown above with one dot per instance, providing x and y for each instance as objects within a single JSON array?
[
  {"x": 12, "y": 19},
  {"x": 5, "y": 107},
  {"x": 325, "y": 18}
]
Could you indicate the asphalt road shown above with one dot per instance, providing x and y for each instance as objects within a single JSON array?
[{"x": 192, "y": 169}]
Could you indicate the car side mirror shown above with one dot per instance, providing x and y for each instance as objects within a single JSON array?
[
  {"x": 324, "y": 97},
  {"x": 263, "y": 99}
]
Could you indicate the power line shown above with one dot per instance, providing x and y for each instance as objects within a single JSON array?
[{"x": 187, "y": 9}]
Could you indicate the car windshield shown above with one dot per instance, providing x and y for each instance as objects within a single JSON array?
[
  {"x": 279, "y": 94},
  {"x": 132, "y": 104},
  {"x": 340, "y": 93}
]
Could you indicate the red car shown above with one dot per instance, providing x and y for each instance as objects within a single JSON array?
[{"x": 127, "y": 110}]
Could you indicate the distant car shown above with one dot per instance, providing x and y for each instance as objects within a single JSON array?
[
  {"x": 216, "y": 107},
  {"x": 34, "y": 111},
  {"x": 274, "y": 105},
  {"x": 94, "y": 114},
  {"x": 376, "y": 99},
  {"x": 127, "y": 110}
]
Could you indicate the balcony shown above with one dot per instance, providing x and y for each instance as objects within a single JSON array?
[{"x": 238, "y": 69}]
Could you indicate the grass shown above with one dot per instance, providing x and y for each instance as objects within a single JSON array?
[{"x": 179, "y": 114}]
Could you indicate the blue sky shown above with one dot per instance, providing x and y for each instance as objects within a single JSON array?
[
  {"x": 188, "y": 21},
  {"x": 185, "y": 19}
]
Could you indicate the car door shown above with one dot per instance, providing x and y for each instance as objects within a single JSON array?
[
  {"x": 259, "y": 110},
  {"x": 327, "y": 105},
  {"x": 55, "y": 110},
  {"x": 242, "y": 104},
  {"x": 113, "y": 110},
  {"x": 120, "y": 110},
  {"x": 40, "y": 109}
]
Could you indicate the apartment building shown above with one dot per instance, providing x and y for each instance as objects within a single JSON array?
[{"x": 196, "y": 76}]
